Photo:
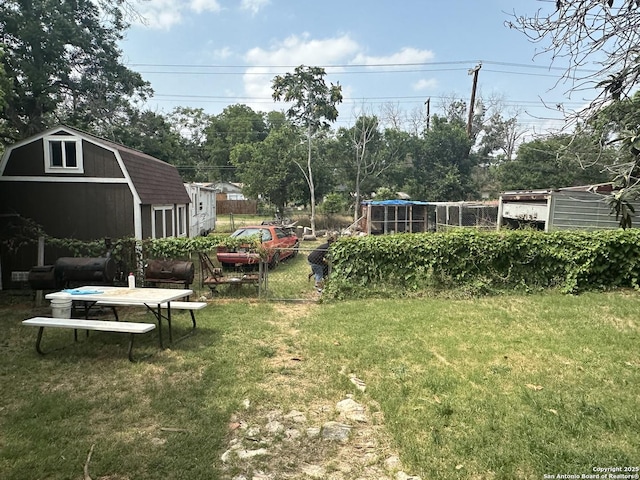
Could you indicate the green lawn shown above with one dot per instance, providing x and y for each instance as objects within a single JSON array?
[{"x": 492, "y": 388}]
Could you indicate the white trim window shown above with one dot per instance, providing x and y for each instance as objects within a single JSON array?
[
  {"x": 162, "y": 221},
  {"x": 182, "y": 221},
  {"x": 63, "y": 154}
]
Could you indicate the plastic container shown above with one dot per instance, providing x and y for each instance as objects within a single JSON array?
[
  {"x": 132, "y": 281},
  {"x": 61, "y": 305}
]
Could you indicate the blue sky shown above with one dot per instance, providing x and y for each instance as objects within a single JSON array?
[{"x": 386, "y": 54}]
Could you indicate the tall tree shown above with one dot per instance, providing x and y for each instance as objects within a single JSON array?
[
  {"x": 152, "y": 134},
  {"x": 364, "y": 140},
  {"x": 574, "y": 31},
  {"x": 190, "y": 124},
  {"x": 266, "y": 168},
  {"x": 442, "y": 165},
  {"x": 236, "y": 125},
  {"x": 5, "y": 88},
  {"x": 63, "y": 59},
  {"x": 313, "y": 106}
]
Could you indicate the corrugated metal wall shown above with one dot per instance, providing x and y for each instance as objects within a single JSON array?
[{"x": 582, "y": 211}]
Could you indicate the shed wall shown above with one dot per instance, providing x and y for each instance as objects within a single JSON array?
[
  {"x": 580, "y": 211},
  {"x": 73, "y": 210}
]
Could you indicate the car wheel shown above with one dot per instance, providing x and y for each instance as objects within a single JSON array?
[{"x": 275, "y": 260}]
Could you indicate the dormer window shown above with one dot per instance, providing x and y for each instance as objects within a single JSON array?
[{"x": 63, "y": 154}]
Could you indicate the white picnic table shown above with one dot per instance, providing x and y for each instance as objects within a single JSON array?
[{"x": 154, "y": 299}]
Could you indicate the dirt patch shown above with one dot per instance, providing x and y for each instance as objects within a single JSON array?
[{"x": 291, "y": 437}]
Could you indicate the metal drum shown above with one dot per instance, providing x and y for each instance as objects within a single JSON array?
[
  {"x": 90, "y": 271},
  {"x": 169, "y": 271},
  {"x": 43, "y": 278}
]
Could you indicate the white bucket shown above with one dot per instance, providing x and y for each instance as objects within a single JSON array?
[{"x": 61, "y": 305}]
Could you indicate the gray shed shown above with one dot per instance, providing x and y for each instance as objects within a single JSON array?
[{"x": 571, "y": 208}]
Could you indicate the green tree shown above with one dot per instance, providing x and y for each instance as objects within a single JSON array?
[
  {"x": 266, "y": 168},
  {"x": 5, "y": 89},
  {"x": 553, "y": 162},
  {"x": 64, "y": 62},
  {"x": 236, "y": 125},
  {"x": 313, "y": 106},
  {"x": 442, "y": 165},
  {"x": 152, "y": 134},
  {"x": 190, "y": 125},
  {"x": 385, "y": 193}
]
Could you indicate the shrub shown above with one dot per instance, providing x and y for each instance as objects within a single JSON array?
[{"x": 482, "y": 262}]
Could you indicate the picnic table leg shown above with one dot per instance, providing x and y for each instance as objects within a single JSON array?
[
  {"x": 159, "y": 315},
  {"x": 169, "y": 321},
  {"x": 38, "y": 340},
  {"x": 130, "y": 353}
]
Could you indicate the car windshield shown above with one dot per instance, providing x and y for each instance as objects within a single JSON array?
[{"x": 247, "y": 232}]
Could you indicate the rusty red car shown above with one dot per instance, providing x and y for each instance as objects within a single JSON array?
[{"x": 278, "y": 244}]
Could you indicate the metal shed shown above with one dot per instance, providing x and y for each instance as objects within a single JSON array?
[{"x": 572, "y": 208}]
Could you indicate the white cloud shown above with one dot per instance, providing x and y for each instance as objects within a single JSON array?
[
  {"x": 222, "y": 53},
  {"x": 254, "y": 5},
  {"x": 200, "y": 6},
  {"x": 396, "y": 60},
  {"x": 301, "y": 50},
  {"x": 161, "y": 14},
  {"x": 291, "y": 52},
  {"x": 425, "y": 84},
  {"x": 164, "y": 14}
]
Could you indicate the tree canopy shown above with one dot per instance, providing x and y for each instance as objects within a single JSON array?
[
  {"x": 64, "y": 64},
  {"x": 313, "y": 105},
  {"x": 601, "y": 32}
]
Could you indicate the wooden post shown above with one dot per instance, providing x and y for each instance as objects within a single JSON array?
[{"x": 39, "y": 293}]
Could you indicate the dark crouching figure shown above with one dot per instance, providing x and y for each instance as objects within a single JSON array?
[{"x": 318, "y": 261}]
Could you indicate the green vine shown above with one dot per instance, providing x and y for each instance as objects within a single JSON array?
[{"x": 485, "y": 262}]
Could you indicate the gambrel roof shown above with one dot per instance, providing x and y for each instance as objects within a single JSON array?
[{"x": 155, "y": 182}]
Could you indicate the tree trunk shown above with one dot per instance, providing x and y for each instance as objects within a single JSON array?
[
  {"x": 312, "y": 188},
  {"x": 356, "y": 207}
]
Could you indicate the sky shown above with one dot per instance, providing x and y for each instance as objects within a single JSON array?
[{"x": 385, "y": 54}]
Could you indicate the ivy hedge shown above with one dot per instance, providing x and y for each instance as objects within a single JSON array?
[
  {"x": 463, "y": 261},
  {"x": 478, "y": 262},
  {"x": 129, "y": 253}
]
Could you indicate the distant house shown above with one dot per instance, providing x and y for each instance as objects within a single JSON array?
[
  {"x": 229, "y": 190},
  {"x": 570, "y": 208},
  {"x": 231, "y": 200},
  {"x": 202, "y": 213},
  {"x": 76, "y": 185}
]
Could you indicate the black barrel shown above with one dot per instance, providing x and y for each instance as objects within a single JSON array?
[
  {"x": 169, "y": 271},
  {"x": 43, "y": 277},
  {"x": 100, "y": 270}
]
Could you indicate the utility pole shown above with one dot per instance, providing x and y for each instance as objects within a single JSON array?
[
  {"x": 428, "y": 104},
  {"x": 474, "y": 72}
]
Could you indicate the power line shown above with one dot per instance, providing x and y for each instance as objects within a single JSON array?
[{"x": 358, "y": 65}]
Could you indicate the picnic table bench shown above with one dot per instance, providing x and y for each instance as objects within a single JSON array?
[
  {"x": 175, "y": 305},
  {"x": 83, "y": 324}
]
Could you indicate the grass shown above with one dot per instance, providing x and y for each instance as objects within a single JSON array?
[{"x": 495, "y": 388}]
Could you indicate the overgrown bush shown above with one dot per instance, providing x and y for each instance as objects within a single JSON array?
[{"x": 483, "y": 262}]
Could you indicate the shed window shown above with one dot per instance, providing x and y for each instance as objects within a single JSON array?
[{"x": 63, "y": 155}]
